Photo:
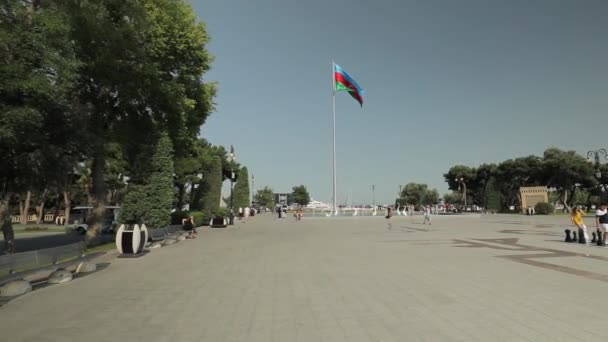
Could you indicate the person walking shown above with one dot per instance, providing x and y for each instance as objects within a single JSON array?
[
  {"x": 578, "y": 221},
  {"x": 189, "y": 227},
  {"x": 601, "y": 223},
  {"x": 389, "y": 214},
  {"x": 279, "y": 212},
  {"x": 427, "y": 215}
]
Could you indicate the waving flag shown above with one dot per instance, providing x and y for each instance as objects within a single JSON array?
[{"x": 344, "y": 82}]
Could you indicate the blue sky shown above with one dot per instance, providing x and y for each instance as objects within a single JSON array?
[{"x": 446, "y": 82}]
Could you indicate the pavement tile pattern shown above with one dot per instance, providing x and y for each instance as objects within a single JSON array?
[{"x": 488, "y": 278}]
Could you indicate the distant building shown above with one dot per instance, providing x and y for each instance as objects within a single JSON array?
[{"x": 283, "y": 199}]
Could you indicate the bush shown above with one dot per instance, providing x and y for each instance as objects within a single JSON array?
[
  {"x": 178, "y": 216},
  {"x": 134, "y": 205},
  {"x": 543, "y": 208},
  {"x": 198, "y": 217},
  {"x": 222, "y": 212},
  {"x": 159, "y": 190}
]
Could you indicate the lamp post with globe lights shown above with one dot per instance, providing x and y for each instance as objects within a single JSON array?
[
  {"x": 231, "y": 160},
  {"x": 460, "y": 181},
  {"x": 597, "y": 156}
]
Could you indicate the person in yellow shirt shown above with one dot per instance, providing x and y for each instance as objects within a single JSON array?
[{"x": 578, "y": 221}]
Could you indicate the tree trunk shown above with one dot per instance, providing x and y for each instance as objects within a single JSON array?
[
  {"x": 67, "y": 202},
  {"x": 192, "y": 196},
  {"x": 40, "y": 207},
  {"x": 181, "y": 193},
  {"x": 7, "y": 225},
  {"x": 57, "y": 206},
  {"x": 95, "y": 221},
  {"x": 26, "y": 206},
  {"x": 22, "y": 218},
  {"x": 564, "y": 199},
  {"x": 90, "y": 197}
]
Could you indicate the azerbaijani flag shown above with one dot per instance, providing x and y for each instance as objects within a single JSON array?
[{"x": 344, "y": 82}]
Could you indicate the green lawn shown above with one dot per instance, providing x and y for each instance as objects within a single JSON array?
[
  {"x": 30, "y": 230},
  {"x": 106, "y": 247}
]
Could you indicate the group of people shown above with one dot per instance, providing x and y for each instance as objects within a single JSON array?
[
  {"x": 297, "y": 214},
  {"x": 281, "y": 212},
  {"x": 426, "y": 212},
  {"x": 246, "y": 212},
  {"x": 601, "y": 222}
]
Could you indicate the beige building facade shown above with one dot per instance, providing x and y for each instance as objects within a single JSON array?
[{"x": 530, "y": 196}]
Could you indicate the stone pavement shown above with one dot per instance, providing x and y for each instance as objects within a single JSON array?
[{"x": 494, "y": 278}]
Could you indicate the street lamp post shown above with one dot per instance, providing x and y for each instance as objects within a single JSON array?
[
  {"x": 231, "y": 159},
  {"x": 597, "y": 155},
  {"x": 373, "y": 196},
  {"x": 399, "y": 196},
  {"x": 460, "y": 181},
  {"x": 252, "y": 188}
]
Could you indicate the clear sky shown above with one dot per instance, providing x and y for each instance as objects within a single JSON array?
[{"x": 446, "y": 82}]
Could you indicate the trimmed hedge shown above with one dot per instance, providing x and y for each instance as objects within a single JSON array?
[
  {"x": 198, "y": 217},
  {"x": 222, "y": 212},
  {"x": 543, "y": 208},
  {"x": 178, "y": 216}
]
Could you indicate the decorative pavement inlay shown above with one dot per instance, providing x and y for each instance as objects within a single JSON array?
[{"x": 512, "y": 244}]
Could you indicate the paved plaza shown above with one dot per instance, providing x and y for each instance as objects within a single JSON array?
[{"x": 489, "y": 278}]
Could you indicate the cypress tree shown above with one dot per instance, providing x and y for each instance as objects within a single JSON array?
[
  {"x": 241, "y": 190},
  {"x": 151, "y": 202},
  {"x": 212, "y": 185},
  {"x": 159, "y": 191}
]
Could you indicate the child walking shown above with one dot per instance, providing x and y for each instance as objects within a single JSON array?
[
  {"x": 577, "y": 220},
  {"x": 427, "y": 215}
]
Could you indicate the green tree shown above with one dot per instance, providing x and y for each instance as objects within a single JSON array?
[
  {"x": 134, "y": 205},
  {"x": 212, "y": 186},
  {"x": 512, "y": 174},
  {"x": 493, "y": 197},
  {"x": 568, "y": 173},
  {"x": 459, "y": 174},
  {"x": 37, "y": 73},
  {"x": 452, "y": 198},
  {"x": 300, "y": 195},
  {"x": 431, "y": 197},
  {"x": 480, "y": 186},
  {"x": 412, "y": 193},
  {"x": 241, "y": 189},
  {"x": 159, "y": 190},
  {"x": 418, "y": 194},
  {"x": 151, "y": 203},
  {"x": 264, "y": 197},
  {"x": 143, "y": 63},
  {"x": 188, "y": 169}
]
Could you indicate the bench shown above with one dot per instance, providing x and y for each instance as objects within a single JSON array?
[
  {"x": 20, "y": 265},
  {"x": 159, "y": 234}
]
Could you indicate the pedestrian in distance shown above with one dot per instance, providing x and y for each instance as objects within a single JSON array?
[
  {"x": 189, "y": 227},
  {"x": 601, "y": 223},
  {"x": 427, "y": 215},
  {"x": 389, "y": 214}
]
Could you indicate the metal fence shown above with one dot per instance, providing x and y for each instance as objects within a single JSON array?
[{"x": 344, "y": 212}]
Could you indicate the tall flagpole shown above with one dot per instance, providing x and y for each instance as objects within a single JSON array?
[{"x": 333, "y": 86}]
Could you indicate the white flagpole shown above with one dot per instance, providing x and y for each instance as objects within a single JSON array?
[{"x": 333, "y": 86}]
